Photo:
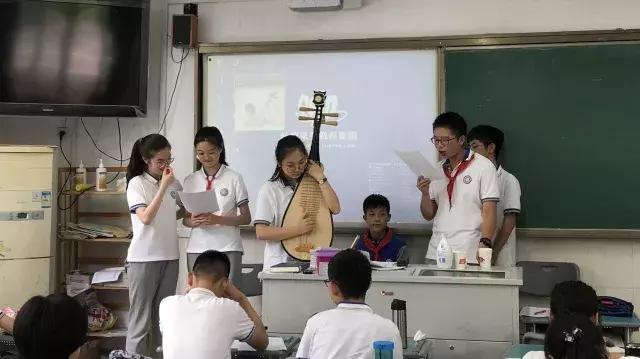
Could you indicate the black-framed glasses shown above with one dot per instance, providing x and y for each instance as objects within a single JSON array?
[
  {"x": 326, "y": 282},
  {"x": 442, "y": 140}
]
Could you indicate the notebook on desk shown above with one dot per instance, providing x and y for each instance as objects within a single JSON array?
[{"x": 289, "y": 267}]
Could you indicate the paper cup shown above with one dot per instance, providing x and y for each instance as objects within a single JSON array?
[
  {"x": 485, "y": 256},
  {"x": 460, "y": 260}
]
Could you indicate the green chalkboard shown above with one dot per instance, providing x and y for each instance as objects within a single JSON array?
[{"x": 571, "y": 118}]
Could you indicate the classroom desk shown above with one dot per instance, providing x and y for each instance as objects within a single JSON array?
[
  {"x": 446, "y": 305},
  {"x": 519, "y": 350}
]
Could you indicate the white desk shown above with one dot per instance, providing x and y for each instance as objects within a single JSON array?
[{"x": 464, "y": 312}]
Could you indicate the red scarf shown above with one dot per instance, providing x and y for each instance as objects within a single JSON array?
[
  {"x": 376, "y": 248},
  {"x": 452, "y": 177}
]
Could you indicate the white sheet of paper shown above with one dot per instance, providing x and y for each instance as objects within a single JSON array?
[
  {"x": 419, "y": 165},
  {"x": 275, "y": 344},
  {"x": 199, "y": 202},
  {"x": 107, "y": 275}
]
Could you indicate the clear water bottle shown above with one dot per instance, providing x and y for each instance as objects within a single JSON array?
[
  {"x": 383, "y": 350},
  {"x": 399, "y": 317}
]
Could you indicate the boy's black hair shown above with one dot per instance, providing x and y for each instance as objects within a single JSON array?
[
  {"x": 350, "y": 270},
  {"x": 212, "y": 264},
  {"x": 453, "y": 121},
  {"x": 487, "y": 135},
  {"x": 573, "y": 297},
  {"x": 574, "y": 336},
  {"x": 51, "y": 327},
  {"x": 375, "y": 201}
]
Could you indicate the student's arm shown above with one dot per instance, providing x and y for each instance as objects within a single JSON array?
[
  {"x": 428, "y": 207},
  {"x": 488, "y": 227},
  {"x": 306, "y": 342},
  {"x": 329, "y": 195},
  {"x": 271, "y": 233},
  {"x": 258, "y": 338},
  {"x": 147, "y": 213},
  {"x": 508, "y": 224},
  {"x": 6, "y": 322}
]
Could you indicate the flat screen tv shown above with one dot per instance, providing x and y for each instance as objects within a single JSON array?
[{"x": 74, "y": 58}]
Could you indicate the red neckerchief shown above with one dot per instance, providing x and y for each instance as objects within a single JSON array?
[
  {"x": 376, "y": 248},
  {"x": 452, "y": 174},
  {"x": 210, "y": 178}
]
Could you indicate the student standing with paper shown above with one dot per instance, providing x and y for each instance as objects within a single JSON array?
[
  {"x": 218, "y": 231},
  {"x": 463, "y": 205},
  {"x": 152, "y": 259}
]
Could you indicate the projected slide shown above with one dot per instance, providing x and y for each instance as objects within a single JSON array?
[{"x": 386, "y": 100}]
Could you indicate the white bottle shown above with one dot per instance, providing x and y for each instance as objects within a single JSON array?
[
  {"x": 101, "y": 178},
  {"x": 81, "y": 176},
  {"x": 444, "y": 254}
]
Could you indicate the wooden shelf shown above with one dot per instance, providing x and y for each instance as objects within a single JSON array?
[
  {"x": 110, "y": 286},
  {"x": 95, "y": 193},
  {"x": 104, "y": 214},
  {"x": 112, "y": 333}
]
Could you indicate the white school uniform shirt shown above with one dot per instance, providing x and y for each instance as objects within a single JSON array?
[
  {"x": 199, "y": 325},
  {"x": 157, "y": 241},
  {"x": 460, "y": 222},
  {"x": 509, "y": 203},
  {"x": 347, "y": 332},
  {"x": 231, "y": 193},
  {"x": 273, "y": 200}
]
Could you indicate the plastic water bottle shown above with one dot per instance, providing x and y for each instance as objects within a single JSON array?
[
  {"x": 383, "y": 350},
  {"x": 444, "y": 254}
]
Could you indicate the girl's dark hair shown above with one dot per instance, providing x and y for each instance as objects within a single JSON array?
[
  {"x": 212, "y": 135},
  {"x": 145, "y": 147},
  {"x": 50, "y": 328},
  {"x": 574, "y": 336},
  {"x": 286, "y": 145}
]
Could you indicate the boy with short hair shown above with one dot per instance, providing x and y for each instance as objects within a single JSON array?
[
  {"x": 349, "y": 330},
  {"x": 463, "y": 205},
  {"x": 487, "y": 141},
  {"x": 379, "y": 240},
  {"x": 203, "y": 323}
]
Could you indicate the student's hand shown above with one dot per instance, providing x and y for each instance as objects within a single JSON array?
[
  {"x": 208, "y": 219},
  {"x": 191, "y": 221},
  {"x": 233, "y": 293},
  {"x": 167, "y": 177},
  {"x": 307, "y": 225},
  {"x": 423, "y": 185},
  {"x": 315, "y": 170}
]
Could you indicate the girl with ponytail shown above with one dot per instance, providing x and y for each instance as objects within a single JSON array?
[{"x": 152, "y": 258}]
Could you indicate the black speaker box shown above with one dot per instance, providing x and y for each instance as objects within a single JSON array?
[{"x": 185, "y": 31}]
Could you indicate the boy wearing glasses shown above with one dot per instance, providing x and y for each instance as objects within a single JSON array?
[
  {"x": 463, "y": 205},
  {"x": 487, "y": 141},
  {"x": 349, "y": 330}
]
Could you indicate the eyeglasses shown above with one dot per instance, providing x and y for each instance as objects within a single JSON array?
[
  {"x": 444, "y": 141},
  {"x": 161, "y": 163},
  {"x": 326, "y": 282}
]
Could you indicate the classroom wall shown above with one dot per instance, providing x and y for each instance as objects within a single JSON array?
[{"x": 604, "y": 263}]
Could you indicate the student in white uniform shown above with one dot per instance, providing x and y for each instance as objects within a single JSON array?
[
  {"x": 463, "y": 205},
  {"x": 218, "y": 231},
  {"x": 487, "y": 141},
  {"x": 274, "y": 197},
  {"x": 349, "y": 330},
  {"x": 203, "y": 323},
  {"x": 152, "y": 259}
]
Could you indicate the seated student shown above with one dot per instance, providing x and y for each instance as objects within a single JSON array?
[
  {"x": 348, "y": 331},
  {"x": 379, "y": 240},
  {"x": 573, "y": 336},
  {"x": 52, "y": 327},
  {"x": 574, "y": 297},
  {"x": 487, "y": 141},
  {"x": 203, "y": 323}
]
